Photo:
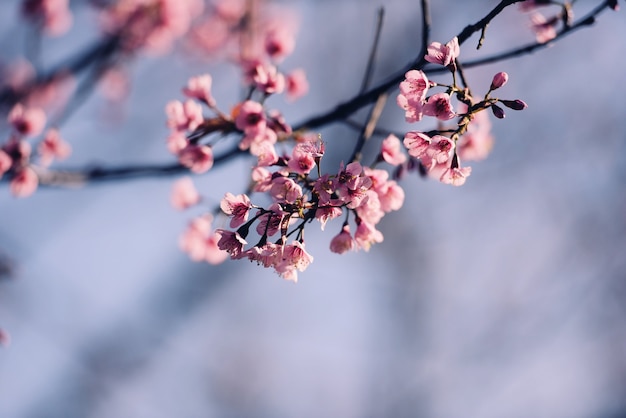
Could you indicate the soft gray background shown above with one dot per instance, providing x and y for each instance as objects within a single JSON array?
[{"x": 503, "y": 298}]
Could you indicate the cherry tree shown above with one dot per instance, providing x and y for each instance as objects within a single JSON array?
[{"x": 296, "y": 179}]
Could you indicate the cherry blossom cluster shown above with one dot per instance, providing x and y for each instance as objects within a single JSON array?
[
  {"x": 27, "y": 123},
  {"x": 440, "y": 151}
]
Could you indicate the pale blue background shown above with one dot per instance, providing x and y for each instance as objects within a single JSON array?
[{"x": 503, "y": 298}]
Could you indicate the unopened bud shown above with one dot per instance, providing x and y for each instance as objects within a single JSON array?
[
  {"x": 498, "y": 112},
  {"x": 516, "y": 104},
  {"x": 499, "y": 80}
]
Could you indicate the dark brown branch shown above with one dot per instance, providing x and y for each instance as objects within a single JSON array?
[{"x": 369, "y": 71}]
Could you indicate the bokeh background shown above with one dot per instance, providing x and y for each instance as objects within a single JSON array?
[{"x": 503, "y": 298}]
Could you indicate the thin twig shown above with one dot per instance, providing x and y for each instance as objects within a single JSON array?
[
  {"x": 369, "y": 127},
  {"x": 369, "y": 71}
]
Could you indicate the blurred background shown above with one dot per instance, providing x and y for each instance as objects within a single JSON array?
[{"x": 502, "y": 298}]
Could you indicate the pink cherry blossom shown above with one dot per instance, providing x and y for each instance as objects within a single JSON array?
[
  {"x": 390, "y": 195},
  {"x": 24, "y": 182},
  {"x": 181, "y": 117},
  {"x": 294, "y": 257},
  {"x": 366, "y": 235},
  {"x": 297, "y": 84},
  {"x": 343, "y": 241},
  {"x": 176, "y": 142},
  {"x": 413, "y": 110},
  {"x": 251, "y": 119},
  {"x": 200, "y": 88},
  {"x": 238, "y": 207},
  {"x": 545, "y": 29},
  {"x": 27, "y": 121},
  {"x": 302, "y": 159},
  {"x": 200, "y": 243},
  {"x": 198, "y": 158},
  {"x": 279, "y": 43},
  {"x": 324, "y": 214},
  {"x": 416, "y": 143},
  {"x": 184, "y": 194},
  {"x": 268, "y": 80},
  {"x": 456, "y": 176},
  {"x": 270, "y": 222},
  {"x": 443, "y": 54},
  {"x": 415, "y": 86},
  {"x": 265, "y": 255},
  {"x": 439, "y": 151},
  {"x": 53, "y": 146},
  {"x": 286, "y": 190},
  {"x": 262, "y": 179},
  {"x": 231, "y": 242},
  {"x": 439, "y": 106},
  {"x": 391, "y": 151}
]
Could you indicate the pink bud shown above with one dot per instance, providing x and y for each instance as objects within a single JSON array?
[{"x": 499, "y": 80}]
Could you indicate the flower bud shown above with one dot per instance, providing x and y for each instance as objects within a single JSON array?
[
  {"x": 498, "y": 112},
  {"x": 499, "y": 80},
  {"x": 516, "y": 104}
]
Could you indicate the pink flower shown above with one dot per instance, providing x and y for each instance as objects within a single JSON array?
[
  {"x": 184, "y": 194},
  {"x": 413, "y": 111},
  {"x": 270, "y": 222},
  {"x": 416, "y": 143},
  {"x": 343, "y": 241},
  {"x": 545, "y": 30},
  {"x": 200, "y": 243},
  {"x": 266, "y": 255},
  {"x": 439, "y": 151},
  {"x": 176, "y": 142},
  {"x": 294, "y": 257},
  {"x": 390, "y": 195},
  {"x": 391, "y": 151},
  {"x": 279, "y": 43},
  {"x": 439, "y": 106},
  {"x": 200, "y": 88},
  {"x": 268, "y": 79},
  {"x": 53, "y": 146},
  {"x": 285, "y": 190},
  {"x": 231, "y": 242},
  {"x": 262, "y": 179},
  {"x": 238, "y": 207},
  {"x": 251, "y": 119},
  {"x": 366, "y": 235},
  {"x": 456, "y": 176},
  {"x": 27, "y": 121},
  {"x": 181, "y": 117},
  {"x": 302, "y": 158},
  {"x": 198, "y": 158},
  {"x": 324, "y": 214},
  {"x": 444, "y": 54},
  {"x": 415, "y": 86},
  {"x": 24, "y": 182},
  {"x": 297, "y": 84}
]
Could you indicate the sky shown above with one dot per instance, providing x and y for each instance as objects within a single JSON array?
[{"x": 501, "y": 298}]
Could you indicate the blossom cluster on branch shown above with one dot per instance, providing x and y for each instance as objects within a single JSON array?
[{"x": 289, "y": 190}]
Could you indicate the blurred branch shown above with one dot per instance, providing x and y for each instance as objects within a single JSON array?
[{"x": 372, "y": 58}]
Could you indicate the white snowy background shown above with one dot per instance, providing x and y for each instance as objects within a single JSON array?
[{"x": 503, "y": 298}]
